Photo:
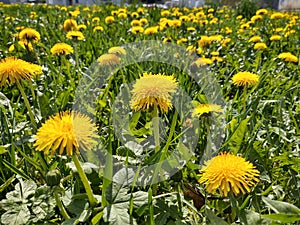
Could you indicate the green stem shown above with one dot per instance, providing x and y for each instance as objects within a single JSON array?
[
  {"x": 245, "y": 97},
  {"x": 84, "y": 180},
  {"x": 155, "y": 120},
  {"x": 27, "y": 104},
  {"x": 108, "y": 173},
  {"x": 61, "y": 206}
]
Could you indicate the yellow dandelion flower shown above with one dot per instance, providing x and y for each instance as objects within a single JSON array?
[
  {"x": 151, "y": 30},
  {"x": 108, "y": 60},
  {"x": 67, "y": 132},
  {"x": 109, "y": 20},
  {"x": 261, "y": 12},
  {"x": 122, "y": 10},
  {"x": 228, "y": 172},
  {"x": 256, "y": 18},
  {"x": 12, "y": 69},
  {"x": 191, "y": 48},
  {"x": 137, "y": 30},
  {"x": 61, "y": 49},
  {"x": 167, "y": 39},
  {"x": 136, "y": 23},
  {"x": 260, "y": 46},
  {"x": 245, "y": 79},
  {"x": 70, "y": 25},
  {"x": 202, "y": 61},
  {"x": 202, "y": 109},
  {"x": 181, "y": 40},
  {"x": 216, "y": 58},
  {"x": 98, "y": 28},
  {"x": 226, "y": 41},
  {"x": 204, "y": 41},
  {"x": 135, "y": 15},
  {"x": 255, "y": 39},
  {"x": 176, "y": 23},
  {"x": 191, "y": 29},
  {"x": 76, "y": 35},
  {"x": 29, "y": 35},
  {"x": 184, "y": 18},
  {"x": 117, "y": 50},
  {"x": 143, "y": 21},
  {"x": 165, "y": 13},
  {"x": 288, "y": 57},
  {"x": 96, "y": 20},
  {"x": 277, "y": 15},
  {"x": 153, "y": 90},
  {"x": 81, "y": 27},
  {"x": 275, "y": 37},
  {"x": 122, "y": 16}
]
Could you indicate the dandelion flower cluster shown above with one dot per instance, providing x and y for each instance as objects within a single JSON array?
[
  {"x": 12, "y": 69},
  {"x": 153, "y": 90},
  {"x": 68, "y": 132},
  {"x": 228, "y": 172},
  {"x": 245, "y": 79}
]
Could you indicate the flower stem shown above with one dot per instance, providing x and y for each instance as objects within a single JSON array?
[
  {"x": 155, "y": 120},
  {"x": 60, "y": 206},
  {"x": 26, "y": 104},
  {"x": 84, "y": 180},
  {"x": 245, "y": 98}
]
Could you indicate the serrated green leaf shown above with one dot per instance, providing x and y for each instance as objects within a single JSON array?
[
  {"x": 140, "y": 198},
  {"x": 18, "y": 215},
  {"x": 213, "y": 218},
  {"x": 236, "y": 139},
  {"x": 255, "y": 218},
  {"x": 117, "y": 214},
  {"x": 281, "y": 207}
]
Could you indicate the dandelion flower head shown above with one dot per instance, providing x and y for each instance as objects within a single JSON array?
[
  {"x": 245, "y": 79},
  {"x": 29, "y": 35},
  {"x": 76, "y": 35},
  {"x": 202, "y": 109},
  {"x": 288, "y": 57},
  {"x": 12, "y": 69},
  {"x": 153, "y": 90},
  {"x": 61, "y": 49},
  {"x": 117, "y": 50},
  {"x": 67, "y": 132},
  {"x": 108, "y": 60},
  {"x": 228, "y": 172}
]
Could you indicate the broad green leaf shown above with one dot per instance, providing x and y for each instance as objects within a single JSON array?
[
  {"x": 18, "y": 215},
  {"x": 236, "y": 139},
  {"x": 281, "y": 207},
  {"x": 255, "y": 218},
  {"x": 117, "y": 191},
  {"x": 282, "y": 217},
  {"x": 140, "y": 198},
  {"x": 117, "y": 214},
  {"x": 213, "y": 218},
  {"x": 77, "y": 206}
]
